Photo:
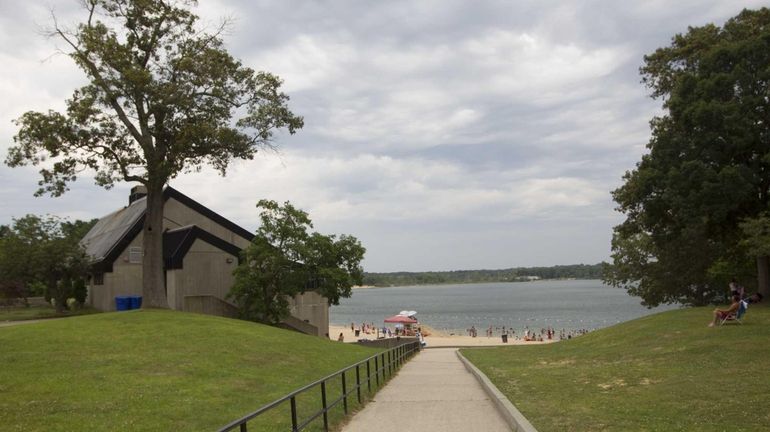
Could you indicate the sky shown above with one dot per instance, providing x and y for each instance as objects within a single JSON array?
[{"x": 443, "y": 134}]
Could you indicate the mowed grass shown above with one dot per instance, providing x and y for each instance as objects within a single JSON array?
[
  {"x": 158, "y": 371},
  {"x": 664, "y": 372}
]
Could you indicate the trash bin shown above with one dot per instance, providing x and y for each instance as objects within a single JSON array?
[
  {"x": 135, "y": 302},
  {"x": 122, "y": 303},
  {"x": 505, "y": 338},
  {"x": 357, "y": 332}
]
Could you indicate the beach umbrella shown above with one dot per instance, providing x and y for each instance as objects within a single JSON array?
[{"x": 400, "y": 319}]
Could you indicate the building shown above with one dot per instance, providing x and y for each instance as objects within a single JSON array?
[{"x": 200, "y": 251}]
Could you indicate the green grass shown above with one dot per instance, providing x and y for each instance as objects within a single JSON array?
[
  {"x": 664, "y": 372},
  {"x": 158, "y": 371},
  {"x": 23, "y": 313}
]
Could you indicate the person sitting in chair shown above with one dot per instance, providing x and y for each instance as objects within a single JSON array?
[{"x": 720, "y": 314}]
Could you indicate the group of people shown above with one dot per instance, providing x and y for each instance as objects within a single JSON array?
[
  {"x": 544, "y": 334},
  {"x": 370, "y": 329},
  {"x": 737, "y": 296}
]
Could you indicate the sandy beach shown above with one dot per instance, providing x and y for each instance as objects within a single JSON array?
[{"x": 435, "y": 338}]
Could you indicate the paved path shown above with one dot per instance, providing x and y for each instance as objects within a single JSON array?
[{"x": 432, "y": 392}]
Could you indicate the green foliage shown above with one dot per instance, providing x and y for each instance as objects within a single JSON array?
[
  {"x": 163, "y": 98},
  {"x": 518, "y": 274},
  {"x": 44, "y": 251},
  {"x": 708, "y": 167},
  {"x": 284, "y": 260},
  {"x": 656, "y": 373},
  {"x": 756, "y": 235}
]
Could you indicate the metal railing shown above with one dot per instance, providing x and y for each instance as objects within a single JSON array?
[{"x": 385, "y": 364}]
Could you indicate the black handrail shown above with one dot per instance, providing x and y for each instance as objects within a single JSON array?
[{"x": 395, "y": 358}]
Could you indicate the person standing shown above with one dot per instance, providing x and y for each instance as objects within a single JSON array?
[{"x": 735, "y": 288}]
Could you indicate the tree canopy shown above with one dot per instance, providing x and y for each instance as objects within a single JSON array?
[
  {"x": 707, "y": 170},
  {"x": 44, "y": 250},
  {"x": 284, "y": 260},
  {"x": 164, "y": 97}
]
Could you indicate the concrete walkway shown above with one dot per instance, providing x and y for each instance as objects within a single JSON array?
[{"x": 432, "y": 392}]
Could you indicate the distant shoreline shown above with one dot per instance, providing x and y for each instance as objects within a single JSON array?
[
  {"x": 360, "y": 287},
  {"x": 514, "y": 274}
]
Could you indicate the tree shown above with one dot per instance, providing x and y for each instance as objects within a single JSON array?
[
  {"x": 164, "y": 97},
  {"x": 44, "y": 250},
  {"x": 708, "y": 166},
  {"x": 284, "y": 260}
]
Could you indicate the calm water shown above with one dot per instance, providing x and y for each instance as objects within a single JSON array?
[{"x": 568, "y": 304}]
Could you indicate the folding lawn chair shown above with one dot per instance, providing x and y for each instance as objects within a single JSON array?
[{"x": 737, "y": 316}]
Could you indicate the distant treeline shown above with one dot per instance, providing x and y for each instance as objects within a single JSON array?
[{"x": 519, "y": 274}]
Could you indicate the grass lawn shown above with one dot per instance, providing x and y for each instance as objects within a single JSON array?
[
  {"x": 158, "y": 371},
  {"x": 664, "y": 372},
  {"x": 22, "y": 313}
]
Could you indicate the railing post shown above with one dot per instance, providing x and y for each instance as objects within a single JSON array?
[
  {"x": 293, "y": 414},
  {"x": 323, "y": 404},
  {"x": 377, "y": 370},
  {"x": 344, "y": 394},
  {"x": 243, "y": 427},
  {"x": 368, "y": 377},
  {"x": 358, "y": 383}
]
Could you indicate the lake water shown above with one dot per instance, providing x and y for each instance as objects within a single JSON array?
[{"x": 560, "y": 304}]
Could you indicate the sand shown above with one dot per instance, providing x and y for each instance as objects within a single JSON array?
[{"x": 435, "y": 338}]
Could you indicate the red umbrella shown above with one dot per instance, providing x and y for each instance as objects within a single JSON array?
[{"x": 400, "y": 319}]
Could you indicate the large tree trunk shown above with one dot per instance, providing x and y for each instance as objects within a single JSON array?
[
  {"x": 763, "y": 275},
  {"x": 153, "y": 277}
]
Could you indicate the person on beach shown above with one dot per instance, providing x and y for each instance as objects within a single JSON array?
[
  {"x": 720, "y": 314},
  {"x": 341, "y": 338}
]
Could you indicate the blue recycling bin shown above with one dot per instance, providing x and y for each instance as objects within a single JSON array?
[
  {"x": 135, "y": 302},
  {"x": 122, "y": 303}
]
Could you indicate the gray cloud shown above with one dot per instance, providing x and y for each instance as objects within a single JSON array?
[{"x": 444, "y": 134}]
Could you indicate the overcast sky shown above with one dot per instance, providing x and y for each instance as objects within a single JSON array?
[{"x": 443, "y": 134}]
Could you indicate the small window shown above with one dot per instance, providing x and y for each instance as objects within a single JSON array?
[
  {"x": 135, "y": 255},
  {"x": 98, "y": 279}
]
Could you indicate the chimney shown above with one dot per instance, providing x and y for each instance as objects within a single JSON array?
[{"x": 137, "y": 192}]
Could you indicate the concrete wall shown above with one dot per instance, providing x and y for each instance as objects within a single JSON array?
[
  {"x": 124, "y": 279},
  {"x": 312, "y": 308},
  {"x": 210, "y": 305},
  {"x": 176, "y": 214},
  {"x": 206, "y": 271}
]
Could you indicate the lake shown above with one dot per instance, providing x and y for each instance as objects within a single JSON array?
[{"x": 560, "y": 304}]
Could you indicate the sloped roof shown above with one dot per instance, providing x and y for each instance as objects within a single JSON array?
[
  {"x": 111, "y": 229},
  {"x": 110, "y": 236}
]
